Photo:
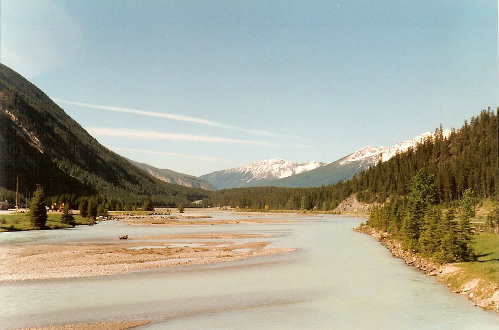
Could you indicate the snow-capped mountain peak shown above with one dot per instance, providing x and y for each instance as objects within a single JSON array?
[
  {"x": 273, "y": 169},
  {"x": 373, "y": 154},
  {"x": 365, "y": 152},
  {"x": 269, "y": 172}
]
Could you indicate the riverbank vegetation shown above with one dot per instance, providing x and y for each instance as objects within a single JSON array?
[{"x": 22, "y": 221}]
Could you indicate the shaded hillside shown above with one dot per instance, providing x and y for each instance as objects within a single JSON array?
[
  {"x": 174, "y": 177},
  {"x": 41, "y": 144}
]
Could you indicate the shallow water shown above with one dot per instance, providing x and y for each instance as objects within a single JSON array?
[{"x": 337, "y": 279}]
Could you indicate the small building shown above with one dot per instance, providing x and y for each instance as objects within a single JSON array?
[{"x": 4, "y": 205}]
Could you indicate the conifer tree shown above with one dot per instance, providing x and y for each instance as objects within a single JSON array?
[
  {"x": 38, "y": 211},
  {"x": 492, "y": 221},
  {"x": 83, "y": 207},
  {"x": 447, "y": 250},
  {"x": 67, "y": 216},
  {"x": 92, "y": 208},
  {"x": 428, "y": 241},
  {"x": 147, "y": 205},
  {"x": 464, "y": 234},
  {"x": 102, "y": 209},
  {"x": 305, "y": 203},
  {"x": 422, "y": 193}
]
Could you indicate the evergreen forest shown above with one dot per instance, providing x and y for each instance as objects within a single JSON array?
[
  {"x": 466, "y": 159},
  {"x": 425, "y": 197}
]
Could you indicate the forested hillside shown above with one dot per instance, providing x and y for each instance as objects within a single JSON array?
[
  {"x": 466, "y": 159},
  {"x": 425, "y": 219},
  {"x": 41, "y": 145}
]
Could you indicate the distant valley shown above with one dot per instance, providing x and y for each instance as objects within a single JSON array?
[{"x": 170, "y": 176}]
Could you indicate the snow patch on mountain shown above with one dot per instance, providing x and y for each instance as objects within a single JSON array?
[
  {"x": 273, "y": 169},
  {"x": 373, "y": 154}
]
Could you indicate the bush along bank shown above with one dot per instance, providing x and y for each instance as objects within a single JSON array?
[{"x": 484, "y": 292}]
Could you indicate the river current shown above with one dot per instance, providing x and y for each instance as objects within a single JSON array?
[{"x": 337, "y": 279}]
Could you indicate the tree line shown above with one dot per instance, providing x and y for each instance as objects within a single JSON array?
[
  {"x": 422, "y": 225},
  {"x": 89, "y": 207},
  {"x": 466, "y": 159},
  {"x": 419, "y": 189}
]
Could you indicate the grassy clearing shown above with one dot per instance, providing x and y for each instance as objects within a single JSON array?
[
  {"x": 485, "y": 268},
  {"x": 486, "y": 247},
  {"x": 21, "y": 221}
]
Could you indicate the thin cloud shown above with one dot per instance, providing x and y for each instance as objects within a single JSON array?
[
  {"x": 150, "y": 135},
  {"x": 143, "y": 113},
  {"x": 172, "y": 154},
  {"x": 172, "y": 116}
]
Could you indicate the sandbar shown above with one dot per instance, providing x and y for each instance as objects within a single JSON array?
[{"x": 74, "y": 260}]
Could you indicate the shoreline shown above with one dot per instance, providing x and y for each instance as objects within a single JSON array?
[{"x": 483, "y": 293}]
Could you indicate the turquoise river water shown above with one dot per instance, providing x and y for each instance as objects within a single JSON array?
[{"x": 337, "y": 279}]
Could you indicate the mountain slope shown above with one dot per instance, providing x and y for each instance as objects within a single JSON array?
[
  {"x": 258, "y": 173},
  {"x": 174, "y": 177},
  {"x": 41, "y": 144}
]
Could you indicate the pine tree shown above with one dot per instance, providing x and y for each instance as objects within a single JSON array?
[
  {"x": 305, "y": 203},
  {"x": 102, "y": 209},
  {"x": 422, "y": 194},
  {"x": 38, "y": 211},
  {"x": 67, "y": 216},
  {"x": 128, "y": 206},
  {"x": 147, "y": 205},
  {"x": 447, "y": 250},
  {"x": 83, "y": 207},
  {"x": 92, "y": 208},
  {"x": 492, "y": 221},
  {"x": 428, "y": 241},
  {"x": 464, "y": 234}
]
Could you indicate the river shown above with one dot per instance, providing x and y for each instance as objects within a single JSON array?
[{"x": 337, "y": 279}]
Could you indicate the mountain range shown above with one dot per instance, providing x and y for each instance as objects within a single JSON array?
[
  {"x": 258, "y": 174},
  {"x": 41, "y": 145},
  {"x": 281, "y": 173}
]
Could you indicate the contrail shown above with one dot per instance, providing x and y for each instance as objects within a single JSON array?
[
  {"x": 172, "y": 116},
  {"x": 150, "y": 135}
]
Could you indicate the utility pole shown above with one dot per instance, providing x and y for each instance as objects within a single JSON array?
[{"x": 17, "y": 190}]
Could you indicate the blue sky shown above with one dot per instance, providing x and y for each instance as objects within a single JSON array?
[{"x": 198, "y": 86}]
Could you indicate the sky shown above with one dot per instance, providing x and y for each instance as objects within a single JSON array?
[{"x": 199, "y": 86}]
